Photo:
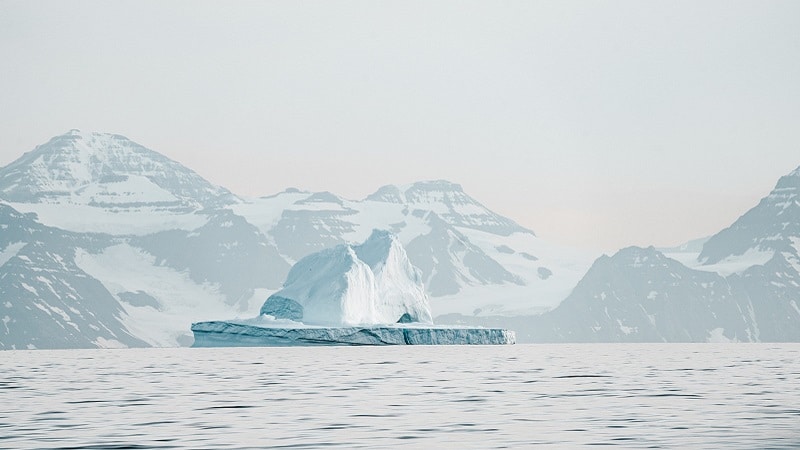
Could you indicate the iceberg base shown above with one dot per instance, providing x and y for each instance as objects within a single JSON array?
[{"x": 231, "y": 334}]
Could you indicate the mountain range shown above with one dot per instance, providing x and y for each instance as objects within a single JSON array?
[
  {"x": 105, "y": 243},
  {"x": 132, "y": 247},
  {"x": 739, "y": 285}
]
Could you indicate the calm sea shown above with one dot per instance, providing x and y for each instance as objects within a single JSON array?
[{"x": 657, "y": 396}]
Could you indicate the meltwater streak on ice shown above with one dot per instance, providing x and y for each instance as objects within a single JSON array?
[{"x": 659, "y": 395}]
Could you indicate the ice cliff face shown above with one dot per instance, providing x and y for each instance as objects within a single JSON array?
[
  {"x": 368, "y": 284},
  {"x": 244, "y": 334}
]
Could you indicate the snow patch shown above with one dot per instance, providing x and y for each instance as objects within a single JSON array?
[
  {"x": 102, "y": 342},
  {"x": 64, "y": 316},
  {"x": 10, "y": 251},
  {"x": 650, "y": 317},
  {"x": 626, "y": 329},
  {"x": 536, "y": 296},
  {"x": 752, "y": 313},
  {"x": 130, "y": 189},
  {"x": 123, "y": 268},
  {"x": 717, "y": 335},
  {"x": 794, "y": 305},
  {"x": 30, "y": 289},
  {"x": 735, "y": 264},
  {"x": 136, "y": 221}
]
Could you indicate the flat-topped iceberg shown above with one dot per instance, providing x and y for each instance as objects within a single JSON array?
[
  {"x": 368, "y": 294},
  {"x": 263, "y": 333}
]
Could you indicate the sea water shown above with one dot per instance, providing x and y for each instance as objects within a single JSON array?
[{"x": 521, "y": 396}]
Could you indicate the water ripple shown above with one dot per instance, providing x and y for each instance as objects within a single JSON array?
[{"x": 635, "y": 396}]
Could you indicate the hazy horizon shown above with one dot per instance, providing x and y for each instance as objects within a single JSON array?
[{"x": 597, "y": 126}]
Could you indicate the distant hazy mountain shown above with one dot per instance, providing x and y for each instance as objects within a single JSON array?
[
  {"x": 106, "y": 243},
  {"x": 128, "y": 247},
  {"x": 772, "y": 226},
  {"x": 105, "y": 170},
  {"x": 472, "y": 260},
  {"x": 743, "y": 286}
]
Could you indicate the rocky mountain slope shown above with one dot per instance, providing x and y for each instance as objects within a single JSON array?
[
  {"x": 742, "y": 286},
  {"x": 106, "y": 243},
  {"x": 46, "y": 300},
  {"x": 165, "y": 248}
]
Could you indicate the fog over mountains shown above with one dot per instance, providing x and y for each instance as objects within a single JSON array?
[
  {"x": 106, "y": 243},
  {"x": 743, "y": 285},
  {"x": 142, "y": 246}
]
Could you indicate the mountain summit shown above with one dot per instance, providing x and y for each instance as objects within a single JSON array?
[
  {"x": 771, "y": 226},
  {"x": 139, "y": 246},
  {"x": 105, "y": 170},
  {"x": 449, "y": 201}
]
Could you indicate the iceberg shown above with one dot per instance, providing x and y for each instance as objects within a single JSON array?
[
  {"x": 368, "y": 294},
  {"x": 264, "y": 334}
]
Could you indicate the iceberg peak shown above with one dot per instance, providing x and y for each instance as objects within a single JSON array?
[{"x": 373, "y": 283}]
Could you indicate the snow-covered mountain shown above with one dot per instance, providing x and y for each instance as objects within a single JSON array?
[
  {"x": 742, "y": 284},
  {"x": 106, "y": 243},
  {"x": 464, "y": 250},
  {"x": 449, "y": 202},
  {"x": 771, "y": 226},
  {"x": 106, "y": 170},
  {"x": 165, "y": 248},
  {"x": 46, "y": 299}
]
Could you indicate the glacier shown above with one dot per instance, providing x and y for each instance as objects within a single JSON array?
[{"x": 367, "y": 294}]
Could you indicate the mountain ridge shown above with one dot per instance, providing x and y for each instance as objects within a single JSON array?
[
  {"x": 742, "y": 285},
  {"x": 69, "y": 164},
  {"x": 110, "y": 257},
  {"x": 178, "y": 249}
]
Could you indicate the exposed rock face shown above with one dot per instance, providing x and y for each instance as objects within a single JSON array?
[
  {"x": 46, "y": 300},
  {"x": 170, "y": 248},
  {"x": 743, "y": 287},
  {"x": 639, "y": 295},
  {"x": 444, "y": 251},
  {"x": 772, "y": 225},
  {"x": 227, "y": 251}
]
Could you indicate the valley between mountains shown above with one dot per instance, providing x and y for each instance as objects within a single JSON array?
[{"x": 105, "y": 243}]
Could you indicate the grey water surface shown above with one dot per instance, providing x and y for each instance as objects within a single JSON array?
[{"x": 521, "y": 396}]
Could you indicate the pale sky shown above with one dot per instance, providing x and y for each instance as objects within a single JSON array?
[{"x": 596, "y": 124}]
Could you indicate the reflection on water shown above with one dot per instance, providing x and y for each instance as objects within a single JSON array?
[{"x": 659, "y": 395}]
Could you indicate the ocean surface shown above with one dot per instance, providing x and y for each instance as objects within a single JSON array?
[{"x": 638, "y": 396}]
